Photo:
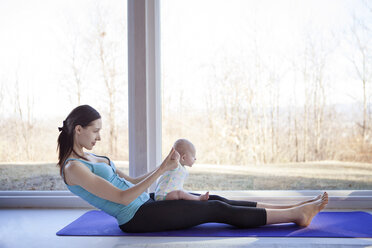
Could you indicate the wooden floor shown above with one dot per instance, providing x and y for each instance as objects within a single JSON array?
[{"x": 37, "y": 228}]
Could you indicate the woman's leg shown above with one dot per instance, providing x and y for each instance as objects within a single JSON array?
[
  {"x": 230, "y": 202},
  {"x": 283, "y": 206},
  {"x": 180, "y": 214},
  {"x": 301, "y": 215},
  {"x": 259, "y": 204},
  {"x": 173, "y": 215}
]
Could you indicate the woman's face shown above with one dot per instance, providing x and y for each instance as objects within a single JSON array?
[{"x": 89, "y": 135}]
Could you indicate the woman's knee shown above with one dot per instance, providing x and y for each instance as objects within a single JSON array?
[
  {"x": 217, "y": 198},
  {"x": 218, "y": 205}
]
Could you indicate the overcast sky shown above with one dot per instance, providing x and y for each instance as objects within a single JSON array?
[{"x": 34, "y": 36}]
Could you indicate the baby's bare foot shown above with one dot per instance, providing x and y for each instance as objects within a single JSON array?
[
  {"x": 307, "y": 212},
  {"x": 204, "y": 197}
]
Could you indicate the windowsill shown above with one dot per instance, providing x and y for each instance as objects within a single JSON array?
[{"x": 339, "y": 199}]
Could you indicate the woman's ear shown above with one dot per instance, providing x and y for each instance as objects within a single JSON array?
[{"x": 78, "y": 129}]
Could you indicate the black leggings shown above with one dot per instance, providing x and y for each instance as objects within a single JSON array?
[{"x": 166, "y": 215}]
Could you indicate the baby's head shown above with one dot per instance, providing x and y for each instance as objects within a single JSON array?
[{"x": 186, "y": 150}]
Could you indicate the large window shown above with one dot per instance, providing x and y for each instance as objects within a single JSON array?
[
  {"x": 56, "y": 55},
  {"x": 274, "y": 94}
]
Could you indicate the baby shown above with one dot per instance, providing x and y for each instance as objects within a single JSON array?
[{"x": 170, "y": 184}]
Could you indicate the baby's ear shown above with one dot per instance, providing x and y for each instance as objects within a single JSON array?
[{"x": 183, "y": 157}]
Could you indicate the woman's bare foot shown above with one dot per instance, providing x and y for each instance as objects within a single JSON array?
[
  {"x": 204, "y": 197},
  {"x": 308, "y": 201},
  {"x": 307, "y": 211}
]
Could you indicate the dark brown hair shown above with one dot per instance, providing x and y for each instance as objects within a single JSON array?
[{"x": 82, "y": 115}]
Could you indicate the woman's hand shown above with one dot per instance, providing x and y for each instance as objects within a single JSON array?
[{"x": 171, "y": 161}]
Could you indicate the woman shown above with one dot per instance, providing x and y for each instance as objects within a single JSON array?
[{"x": 96, "y": 180}]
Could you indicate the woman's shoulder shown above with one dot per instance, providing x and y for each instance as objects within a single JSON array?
[
  {"x": 75, "y": 169},
  {"x": 72, "y": 164}
]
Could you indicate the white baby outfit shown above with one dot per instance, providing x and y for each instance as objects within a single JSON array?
[{"x": 170, "y": 181}]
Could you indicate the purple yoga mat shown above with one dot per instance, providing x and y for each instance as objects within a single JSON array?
[{"x": 326, "y": 224}]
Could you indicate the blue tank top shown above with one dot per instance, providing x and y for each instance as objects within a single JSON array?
[{"x": 123, "y": 213}]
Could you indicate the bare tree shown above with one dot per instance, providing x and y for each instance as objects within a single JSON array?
[
  {"x": 80, "y": 59},
  {"x": 296, "y": 128},
  {"x": 312, "y": 74},
  {"x": 362, "y": 62},
  {"x": 318, "y": 60},
  {"x": 229, "y": 111},
  {"x": 77, "y": 47},
  {"x": 307, "y": 95},
  {"x": 2, "y": 94},
  {"x": 26, "y": 118},
  {"x": 304, "y": 69},
  {"x": 273, "y": 90},
  {"x": 107, "y": 54}
]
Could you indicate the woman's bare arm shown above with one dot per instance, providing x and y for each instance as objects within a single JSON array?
[
  {"x": 131, "y": 179},
  {"x": 79, "y": 174}
]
